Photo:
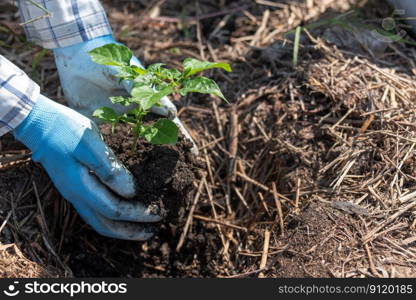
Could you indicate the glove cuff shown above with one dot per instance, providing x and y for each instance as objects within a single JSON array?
[
  {"x": 32, "y": 130},
  {"x": 85, "y": 46}
]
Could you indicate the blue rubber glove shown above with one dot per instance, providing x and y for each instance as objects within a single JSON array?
[
  {"x": 88, "y": 86},
  {"x": 85, "y": 170}
]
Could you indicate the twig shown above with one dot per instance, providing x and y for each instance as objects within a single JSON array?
[
  {"x": 214, "y": 212},
  {"x": 296, "y": 46},
  {"x": 261, "y": 28},
  {"x": 272, "y": 4},
  {"x": 244, "y": 274},
  {"x": 251, "y": 180},
  {"x": 264, "y": 256},
  {"x": 190, "y": 215},
  {"x": 366, "y": 124},
  {"x": 262, "y": 186},
  {"x": 241, "y": 197},
  {"x": 40, "y": 208},
  {"x": 264, "y": 204},
  {"x": 193, "y": 20},
  {"x": 371, "y": 262},
  {"x": 279, "y": 209},
  {"x": 5, "y": 221},
  {"x": 45, "y": 235},
  {"x": 219, "y": 222},
  {"x": 199, "y": 32},
  {"x": 4, "y": 160},
  {"x": 297, "y": 194},
  {"x": 213, "y": 143},
  {"x": 233, "y": 142},
  {"x": 371, "y": 235}
]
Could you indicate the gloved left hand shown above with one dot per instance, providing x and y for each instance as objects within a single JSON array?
[
  {"x": 86, "y": 171},
  {"x": 88, "y": 86}
]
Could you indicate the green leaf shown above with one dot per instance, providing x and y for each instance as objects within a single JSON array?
[
  {"x": 106, "y": 114},
  {"x": 171, "y": 74},
  {"x": 202, "y": 85},
  {"x": 125, "y": 73},
  {"x": 147, "y": 79},
  {"x": 126, "y": 118},
  {"x": 154, "y": 100},
  {"x": 146, "y": 96},
  {"x": 126, "y": 101},
  {"x": 163, "y": 73},
  {"x": 111, "y": 55},
  {"x": 192, "y": 66},
  {"x": 162, "y": 132},
  {"x": 143, "y": 96},
  {"x": 129, "y": 72},
  {"x": 138, "y": 70},
  {"x": 142, "y": 92},
  {"x": 155, "y": 67}
]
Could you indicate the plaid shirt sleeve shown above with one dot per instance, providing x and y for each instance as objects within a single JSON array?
[
  {"x": 71, "y": 22},
  {"x": 18, "y": 93}
]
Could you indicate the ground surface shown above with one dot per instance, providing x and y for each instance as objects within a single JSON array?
[
  {"x": 164, "y": 173},
  {"x": 309, "y": 172}
]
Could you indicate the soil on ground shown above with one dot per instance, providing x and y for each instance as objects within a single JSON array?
[
  {"x": 165, "y": 176},
  {"x": 164, "y": 173},
  {"x": 317, "y": 147}
]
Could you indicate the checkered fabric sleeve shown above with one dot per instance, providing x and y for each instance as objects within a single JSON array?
[
  {"x": 71, "y": 21},
  {"x": 18, "y": 93}
]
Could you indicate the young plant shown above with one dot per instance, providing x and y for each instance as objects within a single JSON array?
[{"x": 150, "y": 85}]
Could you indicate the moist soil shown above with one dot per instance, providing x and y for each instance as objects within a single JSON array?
[
  {"x": 164, "y": 173},
  {"x": 308, "y": 129},
  {"x": 306, "y": 247},
  {"x": 86, "y": 253},
  {"x": 165, "y": 176},
  {"x": 310, "y": 244}
]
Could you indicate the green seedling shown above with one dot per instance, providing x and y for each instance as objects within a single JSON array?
[{"x": 150, "y": 85}]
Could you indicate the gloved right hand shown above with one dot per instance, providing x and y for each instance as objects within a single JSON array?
[
  {"x": 86, "y": 171},
  {"x": 80, "y": 76}
]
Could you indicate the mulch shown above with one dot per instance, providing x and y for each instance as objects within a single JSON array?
[{"x": 310, "y": 171}]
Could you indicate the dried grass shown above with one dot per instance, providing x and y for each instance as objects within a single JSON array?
[{"x": 311, "y": 170}]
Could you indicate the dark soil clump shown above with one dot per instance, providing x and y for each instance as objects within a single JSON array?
[{"x": 164, "y": 173}]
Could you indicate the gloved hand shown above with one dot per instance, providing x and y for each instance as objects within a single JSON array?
[
  {"x": 88, "y": 86},
  {"x": 85, "y": 170}
]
